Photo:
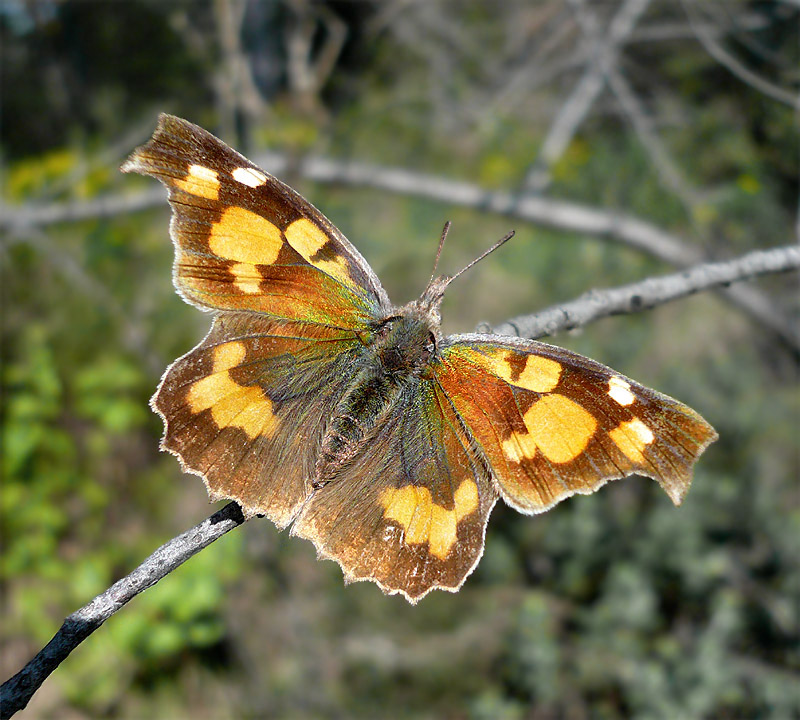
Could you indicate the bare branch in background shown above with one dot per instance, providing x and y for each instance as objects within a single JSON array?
[
  {"x": 558, "y": 214},
  {"x": 723, "y": 57},
  {"x": 16, "y": 692},
  {"x": 648, "y": 293},
  {"x": 235, "y": 88},
  {"x": 309, "y": 70},
  {"x": 661, "y": 31},
  {"x": 574, "y": 110},
  {"x": 669, "y": 172}
]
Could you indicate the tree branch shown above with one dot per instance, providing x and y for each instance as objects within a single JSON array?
[
  {"x": 667, "y": 169},
  {"x": 734, "y": 66},
  {"x": 559, "y": 214},
  {"x": 648, "y": 293},
  {"x": 16, "y": 692},
  {"x": 574, "y": 109}
]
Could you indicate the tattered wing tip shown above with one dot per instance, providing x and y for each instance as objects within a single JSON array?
[
  {"x": 166, "y": 125},
  {"x": 677, "y": 490}
]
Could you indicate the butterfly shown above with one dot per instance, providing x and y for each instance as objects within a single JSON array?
[{"x": 317, "y": 403}]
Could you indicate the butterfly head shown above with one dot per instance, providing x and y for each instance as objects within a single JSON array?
[{"x": 407, "y": 340}]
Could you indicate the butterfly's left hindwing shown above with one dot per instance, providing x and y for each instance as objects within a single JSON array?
[
  {"x": 244, "y": 241},
  {"x": 552, "y": 423},
  {"x": 246, "y": 409}
]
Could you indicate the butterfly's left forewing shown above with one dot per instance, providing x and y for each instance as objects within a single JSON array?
[
  {"x": 295, "y": 304},
  {"x": 552, "y": 423}
]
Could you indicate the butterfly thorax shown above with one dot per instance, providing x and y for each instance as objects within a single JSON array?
[{"x": 399, "y": 352}]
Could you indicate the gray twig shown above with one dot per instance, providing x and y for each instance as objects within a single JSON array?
[
  {"x": 575, "y": 108},
  {"x": 737, "y": 68},
  {"x": 648, "y": 293},
  {"x": 17, "y": 691}
]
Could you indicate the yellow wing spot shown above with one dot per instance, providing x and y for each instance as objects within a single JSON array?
[
  {"x": 419, "y": 528},
  {"x": 245, "y": 237},
  {"x": 443, "y": 531},
  {"x": 308, "y": 240},
  {"x": 620, "y": 391},
  {"x": 248, "y": 176},
  {"x": 560, "y": 428},
  {"x": 540, "y": 375},
  {"x": 425, "y": 521},
  {"x": 466, "y": 499},
  {"x": 231, "y": 404},
  {"x": 518, "y": 447},
  {"x": 228, "y": 355},
  {"x": 632, "y": 437},
  {"x": 399, "y": 504},
  {"x": 246, "y": 278},
  {"x": 201, "y": 181}
]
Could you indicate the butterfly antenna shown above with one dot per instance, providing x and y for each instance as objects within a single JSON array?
[
  {"x": 445, "y": 230},
  {"x": 494, "y": 247}
]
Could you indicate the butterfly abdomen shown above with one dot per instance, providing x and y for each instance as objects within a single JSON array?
[
  {"x": 373, "y": 392},
  {"x": 401, "y": 348}
]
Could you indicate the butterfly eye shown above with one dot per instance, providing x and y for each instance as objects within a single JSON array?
[
  {"x": 430, "y": 346},
  {"x": 383, "y": 329}
]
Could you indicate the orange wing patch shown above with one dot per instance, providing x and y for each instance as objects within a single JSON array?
[
  {"x": 425, "y": 521},
  {"x": 534, "y": 373},
  {"x": 557, "y": 427},
  {"x": 231, "y": 404},
  {"x": 245, "y": 237},
  {"x": 632, "y": 437},
  {"x": 309, "y": 241}
]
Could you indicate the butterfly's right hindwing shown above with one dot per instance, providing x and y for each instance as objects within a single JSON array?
[{"x": 246, "y": 409}]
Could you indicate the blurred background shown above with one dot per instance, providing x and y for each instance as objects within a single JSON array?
[{"x": 652, "y": 134}]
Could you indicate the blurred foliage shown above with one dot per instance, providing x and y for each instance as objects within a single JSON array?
[{"x": 609, "y": 606}]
